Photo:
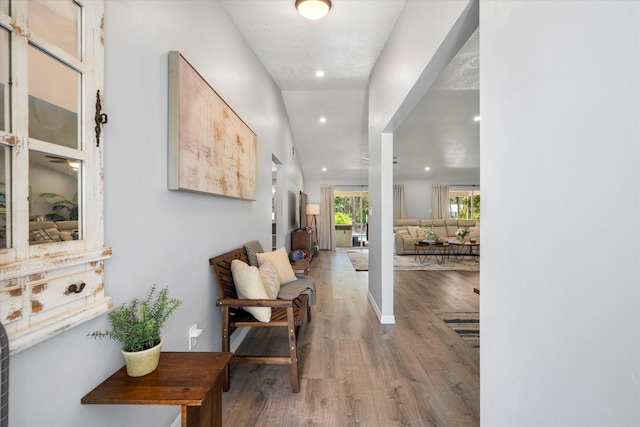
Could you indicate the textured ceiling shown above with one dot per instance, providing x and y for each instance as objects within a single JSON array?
[{"x": 345, "y": 45}]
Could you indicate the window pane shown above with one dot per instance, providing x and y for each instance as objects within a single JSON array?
[
  {"x": 5, "y": 196},
  {"x": 54, "y": 186},
  {"x": 54, "y": 99},
  {"x": 57, "y": 22},
  {"x": 4, "y": 80},
  {"x": 464, "y": 204}
]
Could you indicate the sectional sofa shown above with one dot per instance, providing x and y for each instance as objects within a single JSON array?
[
  {"x": 408, "y": 231},
  {"x": 50, "y": 231}
]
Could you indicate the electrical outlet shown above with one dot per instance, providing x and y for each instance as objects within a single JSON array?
[{"x": 194, "y": 333}]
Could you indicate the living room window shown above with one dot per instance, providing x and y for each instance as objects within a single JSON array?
[
  {"x": 51, "y": 188},
  {"x": 464, "y": 204}
]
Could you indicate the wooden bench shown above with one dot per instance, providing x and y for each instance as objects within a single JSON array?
[{"x": 284, "y": 313}]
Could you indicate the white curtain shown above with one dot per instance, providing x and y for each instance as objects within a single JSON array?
[
  {"x": 398, "y": 201},
  {"x": 326, "y": 223},
  {"x": 326, "y": 226},
  {"x": 440, "y": 201}
]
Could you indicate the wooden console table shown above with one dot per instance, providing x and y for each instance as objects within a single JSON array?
[{"x": 189, "y": 379}]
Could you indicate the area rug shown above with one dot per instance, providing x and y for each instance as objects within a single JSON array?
[
  {"x": 466, "y": 324},
  {"x": 360, "y": 261}
]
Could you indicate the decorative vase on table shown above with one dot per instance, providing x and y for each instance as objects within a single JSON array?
[
  {"x": 462, "y": 233},
  {"x": 141, "y": 363}
]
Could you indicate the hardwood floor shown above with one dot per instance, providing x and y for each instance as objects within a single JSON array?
[{"x": 356, "y": 372}]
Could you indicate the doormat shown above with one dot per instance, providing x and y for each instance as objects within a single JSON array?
[{"x": 466, "y": 324}]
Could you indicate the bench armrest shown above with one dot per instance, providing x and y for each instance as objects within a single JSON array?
[{"x": 273, "y": 303}]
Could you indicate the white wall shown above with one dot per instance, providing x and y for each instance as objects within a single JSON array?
[
  {"x": 425, "y": 38},
  {"x": 158, "y": 236},
  {"x": 312, "y": 188},
  {"x": 418, "y": 195},
  {"x": 560, "y": 312}
]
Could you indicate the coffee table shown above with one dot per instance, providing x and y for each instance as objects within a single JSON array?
[
  {"x": 461, "y": 250},
  {"x": 425, "y": 249}
]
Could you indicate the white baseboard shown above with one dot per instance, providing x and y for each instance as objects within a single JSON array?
[
  {"x": 375, "y": 306},
  {"x": 384, "y": 320},
  {"x": 237, "y": 338},
  {"x": 388, "y": 320}
]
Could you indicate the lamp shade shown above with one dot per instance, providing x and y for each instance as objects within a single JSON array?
[
  {"x": 313, "y": 9},
  {"x": 313, "y": 209}
]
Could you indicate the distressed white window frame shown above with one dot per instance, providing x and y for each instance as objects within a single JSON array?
[{"x": 35, "y": 300}]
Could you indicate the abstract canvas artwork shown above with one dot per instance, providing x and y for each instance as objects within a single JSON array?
[{"x": 211, "y": 150}]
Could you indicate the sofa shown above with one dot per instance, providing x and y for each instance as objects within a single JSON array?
[
  {"x": 50, "y": 231},
  {"x": 409, "y": 231}
]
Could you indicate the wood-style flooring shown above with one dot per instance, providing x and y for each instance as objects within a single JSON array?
[{"x": 356, "y": 372}]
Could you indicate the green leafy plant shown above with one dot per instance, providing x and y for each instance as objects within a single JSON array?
[
  {"x": 137, "y": 325},
  {"x": 61, "y": 204},
  {"x": 342, "y": 218}
]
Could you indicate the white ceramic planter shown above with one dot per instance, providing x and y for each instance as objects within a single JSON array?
[{"x": 140, "y": 363}]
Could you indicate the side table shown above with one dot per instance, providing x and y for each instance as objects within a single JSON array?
[
  {"x": 189, "y": 379},
  {"x": 465, "y": 249},
  {"x": 438, "y": 250}
]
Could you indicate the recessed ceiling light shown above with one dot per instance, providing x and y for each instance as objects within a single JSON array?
[
  {"x": 323, "y": 119},
  {"x": 319, "y": 73},
  {"x": 476, "y": 118},
  {"x": 427, "y": 168},
  {"x": 324, "y": 169}
]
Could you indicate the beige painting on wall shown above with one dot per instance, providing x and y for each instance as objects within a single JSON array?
[{"x": 211, "y": 150}]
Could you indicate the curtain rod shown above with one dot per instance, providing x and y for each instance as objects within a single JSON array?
[{"x": 465, "y": 185}]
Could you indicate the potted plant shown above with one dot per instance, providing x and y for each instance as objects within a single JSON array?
[
  {"x": 137, "y": 327},
  {"x": 59, "y": 203}
]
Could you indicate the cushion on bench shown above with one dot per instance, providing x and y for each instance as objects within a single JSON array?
[
  {"x": 253, "y": 248},
  {"x": 280, "y": 260},
  {"x": 249, "y": 286},
  {"x": 303, "y": 285}
]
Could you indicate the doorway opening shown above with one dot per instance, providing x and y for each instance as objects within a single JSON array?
[
  {"x": 276, "y": 200},
  {"x": 351, "y": 218}
]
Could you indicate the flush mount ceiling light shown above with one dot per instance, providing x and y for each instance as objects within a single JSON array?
[{"x": 313, "y": 9}]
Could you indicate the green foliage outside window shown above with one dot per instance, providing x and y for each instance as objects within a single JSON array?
[
  {"x": 353, "y": 207},
  {"x": 342, "y": 218},
  {"x": 463, "y": 204}
]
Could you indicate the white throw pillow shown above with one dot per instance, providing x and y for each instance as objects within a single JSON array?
[
  {"x": 249, "y": 286},
  {"x": 280, "y": 261},
  {"x": 270, "y": 279}
]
